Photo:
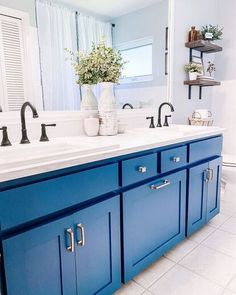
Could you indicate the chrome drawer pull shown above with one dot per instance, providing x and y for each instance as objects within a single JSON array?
[
  {"x": 157, "y": 187},
  {"x": 176, "y": 159},
  {"x": 81, "y": 242},
  {"x": 71, "y": 247},
  {"x": 142, "y": 169}
]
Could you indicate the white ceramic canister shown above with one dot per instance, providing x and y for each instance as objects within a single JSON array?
[{"x": 91, "y": 126}]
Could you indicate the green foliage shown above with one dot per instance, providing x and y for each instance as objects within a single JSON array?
[
  {"x": 193, "y": 68},
  {"x": 107, "y": 62},
  {"x": 102, "y": 64},
  {"x": 215, "y": 30}
]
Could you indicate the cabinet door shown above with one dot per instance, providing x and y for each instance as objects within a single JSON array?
[
  {"x": 153, "y": 221},
  {"x": 197, "y": 196},
  {"x": 98, "y": 248},
  {"x": 213, "y": 194},
  {"x": 37, "y": 262}
]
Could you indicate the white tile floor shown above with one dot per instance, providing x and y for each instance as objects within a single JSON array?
[{"x": 203, "y": 264}]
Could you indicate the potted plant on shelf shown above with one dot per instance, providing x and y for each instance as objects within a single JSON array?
[
  {"x": 87, "y": 78},
  {"x": 212, "y": 33},
  {"x": 108, "y": 64},
  {"x": 193, "y": 70}
]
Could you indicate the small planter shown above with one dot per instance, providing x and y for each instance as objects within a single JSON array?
[{"x": 192, "y": 76}]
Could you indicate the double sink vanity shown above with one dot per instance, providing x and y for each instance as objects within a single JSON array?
[{"x": 80, "y": 215}]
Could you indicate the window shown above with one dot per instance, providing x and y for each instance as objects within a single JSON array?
[
  {"x": 12, "y": 62},
  {"x": 138, "y": 55}
]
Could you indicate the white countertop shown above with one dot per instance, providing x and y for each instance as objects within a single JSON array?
[{"x": 20, "y": 161}]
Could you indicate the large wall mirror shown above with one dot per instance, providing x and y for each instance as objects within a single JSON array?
[{"x": 34, "y": 35}]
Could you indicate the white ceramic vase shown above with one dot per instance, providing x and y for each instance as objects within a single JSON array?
[
  {"x": 89, "y": 101},
  {"x": 107, "y": 110},
  {"x": 193, "y": 76}
]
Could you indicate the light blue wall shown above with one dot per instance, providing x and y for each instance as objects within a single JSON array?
[
  {"x": 225, "y": 62},
  {"x": 149, "y": 21}
]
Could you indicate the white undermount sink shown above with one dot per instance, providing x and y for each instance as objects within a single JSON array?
[
  {"x": 171, "y": 131},
  {"x": 40, "y": 152}
]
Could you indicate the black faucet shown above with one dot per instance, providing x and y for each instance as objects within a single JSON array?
[
  {"x": 5, "y": 139},
  {"x": 44, "y": 136},
  {"x": 127, "y": 105},
  {"x": 24, "y": 138},
  {"x": 160, "y": 109}
]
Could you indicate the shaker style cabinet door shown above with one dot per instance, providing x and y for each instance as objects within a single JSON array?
[
  {"x": 203, "y": 194},
  {"x": 213, "y": 195},
  {"x": 41, "y": 261},
  {"x": 197, "y": 196},
  {"x": 153, "y": 221},
  {"x": 97, "y": 237}
]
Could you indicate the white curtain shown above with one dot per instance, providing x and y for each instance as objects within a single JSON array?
[
  {"x": 57, "y": 31},
  {"x": 91, "y": 30}
]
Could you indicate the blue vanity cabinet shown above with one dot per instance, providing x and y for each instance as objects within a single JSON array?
[
  {"x": 37, "y": 262},
  {"x": 53, "y": 260},
  {"x": 97, "y": 252},
  {"x": 203, "y": 194},
  {"x": 197, "y": 195},
  {"x": 213, "y": 193},
  {"x": 153, "y": 221}
]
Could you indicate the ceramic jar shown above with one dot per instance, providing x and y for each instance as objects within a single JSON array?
[{"x": 107, "y": 110}]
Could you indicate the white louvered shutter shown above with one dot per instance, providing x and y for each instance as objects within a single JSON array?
[{"x": 12, "y": 63}]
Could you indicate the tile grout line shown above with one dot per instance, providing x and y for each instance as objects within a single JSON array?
[
  {"x": 234, "y": 277},
  {"x": 148, "y": 289},
  {"x": 200, "y": 275}
]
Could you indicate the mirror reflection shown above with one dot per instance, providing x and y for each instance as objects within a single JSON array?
[{"x": 34, "y": 64}]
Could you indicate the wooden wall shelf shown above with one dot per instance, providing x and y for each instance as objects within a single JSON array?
[
  {"x": 202, "y": 83},
  {"x": 204, "y": 46}
]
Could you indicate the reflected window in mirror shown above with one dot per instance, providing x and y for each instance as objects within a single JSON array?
[{"x": 137, "y": 69}]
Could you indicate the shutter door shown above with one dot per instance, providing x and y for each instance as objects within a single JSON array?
[{"x": 12, "y": 62}]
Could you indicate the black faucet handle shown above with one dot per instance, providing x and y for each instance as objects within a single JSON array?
[
  {"x": 44, "y": 136},
  {"x": 166, "y": 124},
  {"x": 5, "y": 139},
  {"x": 152, "y": 122}
]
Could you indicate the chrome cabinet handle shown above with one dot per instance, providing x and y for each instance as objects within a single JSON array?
[
  {"x": 176, "y": 159},
  {"x": 81, "y": 242},
  {"x": 142, "y": 169},
  {"x": 210, "y": 175},
  {"x": 157, "y": 187},
  {"x": 71, "y": 247}
]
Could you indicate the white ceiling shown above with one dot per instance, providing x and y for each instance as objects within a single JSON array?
[{"x": 110, "y": 8}]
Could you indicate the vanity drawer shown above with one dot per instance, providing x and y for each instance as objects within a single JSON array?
[
  {"x": 139, "y": 168},
  {"x": 29, "y": 202},
  {"x": 205, "y": 149},
  {"x": 173, "y": 158}
]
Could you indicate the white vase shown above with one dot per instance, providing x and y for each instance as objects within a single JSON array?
[
  {"x": 193, "y": 76},
  {"x": 89, "y": 101},
  {"x": 107, "y": 110}
]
